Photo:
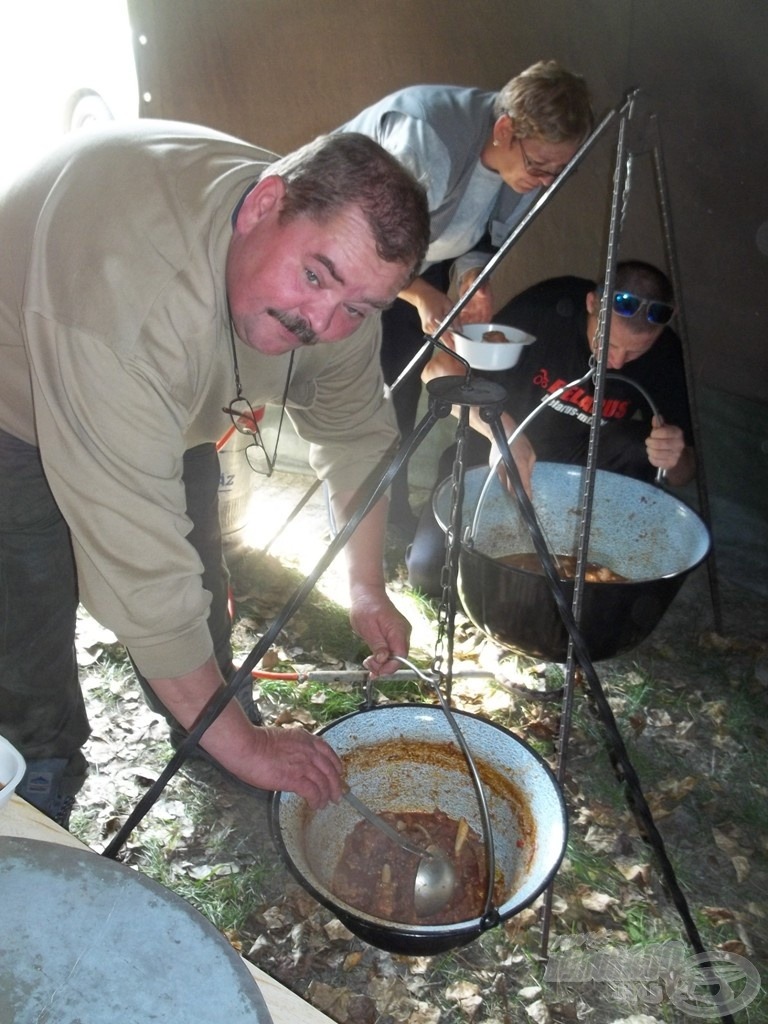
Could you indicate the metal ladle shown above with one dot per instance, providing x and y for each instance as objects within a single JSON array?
[
  {"x": 435, "y": 876},
  {"x": 482, "y": 803}
]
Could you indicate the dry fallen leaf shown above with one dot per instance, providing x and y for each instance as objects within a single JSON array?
[
  {"x": 734, "y": 946},
  {"x": 599, "y": 902},
  {"x": 636, "y": 1018},
  {"x": 539, "y": 1012},
  {"x": 741, "y": 866},
  {"x": 529, "y": 992},
  {"x": 678, "y": 788},
  {"x": 466, "y": 994},
  {"x": 423, "y": 1013},
  {"x": 330, "y": 999},
  {"x": 639, "y": 874},
  {"x": 352, "y": 960},
  {"x": 337, "y": 932}
]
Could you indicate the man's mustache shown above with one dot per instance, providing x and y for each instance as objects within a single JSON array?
[{"x": 296, "y": 325}]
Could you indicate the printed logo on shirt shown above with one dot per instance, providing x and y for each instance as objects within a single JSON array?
[{"x": 575, "y": 401}]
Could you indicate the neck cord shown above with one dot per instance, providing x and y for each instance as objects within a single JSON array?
[{"x": 239, "y": 386}]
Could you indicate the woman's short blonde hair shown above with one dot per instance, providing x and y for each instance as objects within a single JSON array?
[{"x": 548, "y": 102}]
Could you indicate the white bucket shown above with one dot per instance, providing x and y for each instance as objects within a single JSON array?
[{"x": 237, "y": 484}]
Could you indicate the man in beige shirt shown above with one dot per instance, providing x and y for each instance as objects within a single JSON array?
[{"x": 151, "y": 275}]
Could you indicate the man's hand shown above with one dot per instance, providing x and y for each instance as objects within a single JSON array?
[
  {"x": 384, "y": 629},
  {"x": 268, "y": 758},
  {"x": 667, "y": 450},
  {"x": 522, "y": 452},
  {"x": 296, "y": 761}
]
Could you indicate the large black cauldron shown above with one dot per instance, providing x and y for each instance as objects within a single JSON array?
[{"x": 638, "y": 530}]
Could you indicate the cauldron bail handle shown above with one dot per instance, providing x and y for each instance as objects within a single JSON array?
[
  {"x": 490, "y": 914},
  {"x": 660, "y": 473},
  {"x": 472, "y": 530}
]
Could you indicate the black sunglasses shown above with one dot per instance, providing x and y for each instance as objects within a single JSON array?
[{"x": 628, "y": 305}]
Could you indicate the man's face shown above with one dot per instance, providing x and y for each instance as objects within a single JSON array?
[
  {"x": 301, "y": 282},
  {"x": 624, "y": 343}
]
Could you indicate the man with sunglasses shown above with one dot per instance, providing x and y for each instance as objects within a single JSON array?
[
  {"x": 645, "y": 425},
  {"x": 562, "y": 314},
  {"x": 155, "y": 280}
]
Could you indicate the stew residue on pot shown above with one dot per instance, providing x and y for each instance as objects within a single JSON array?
[
  {"x": 594, "y": 572},
  {"x": 377, "y": 877}
]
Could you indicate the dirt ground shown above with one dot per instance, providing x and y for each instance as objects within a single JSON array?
[{"x": 691, "y": 705}]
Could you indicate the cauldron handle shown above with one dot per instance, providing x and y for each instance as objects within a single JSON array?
[
  {"x": 660, "y": 473},
  {"x": 489, "y": 912},
  {"x": 472, "y": 532}
]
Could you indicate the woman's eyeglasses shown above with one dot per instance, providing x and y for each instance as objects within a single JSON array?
[
  {"x": 628, "y": 305},
  {"x": 537, "y": 170}
]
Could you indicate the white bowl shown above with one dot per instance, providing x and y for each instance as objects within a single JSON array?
[
  {"x": 12, "y": 768},
  {"x": 490, "y": 355}
]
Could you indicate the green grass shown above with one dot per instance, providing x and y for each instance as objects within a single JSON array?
[
  {"x": 226, "y": 899},
  {"x": 327, "y": 701}
]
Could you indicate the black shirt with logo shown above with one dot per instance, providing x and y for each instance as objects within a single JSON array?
[{"x": 554, "y": 311}]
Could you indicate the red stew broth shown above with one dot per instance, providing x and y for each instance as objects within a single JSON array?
[
  {"x": 378, "y": 877},
  {"x": 390, "y": 759}
]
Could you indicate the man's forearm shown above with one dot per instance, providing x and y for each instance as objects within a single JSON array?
[
  {"x": 365, "y": 548},
  {"x": 230, "y": 738}
]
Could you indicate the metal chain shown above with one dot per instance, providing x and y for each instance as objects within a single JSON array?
[
  {"x": 626, "y": 191},
  {"x": 446, "y": 612}
]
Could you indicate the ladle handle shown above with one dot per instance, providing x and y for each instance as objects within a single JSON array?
[{"x": 382, "y": 825}]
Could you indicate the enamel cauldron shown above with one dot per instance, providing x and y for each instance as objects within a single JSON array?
[
  {"x": 638, "y": 530},
  {"x": 404, "y": 757}
]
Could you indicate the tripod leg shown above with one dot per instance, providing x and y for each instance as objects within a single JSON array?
[
  {"x": 690, "y": 383},
  {"x": 616, "y": 747}
]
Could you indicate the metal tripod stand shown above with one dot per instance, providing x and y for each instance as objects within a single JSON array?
[{"x": 445, "y": 393}]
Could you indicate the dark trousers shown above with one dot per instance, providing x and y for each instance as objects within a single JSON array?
[
  {"x": 41, "y": 705},
  {"x": 42, "y": 711},
  {"x": 402, "y": 337}
]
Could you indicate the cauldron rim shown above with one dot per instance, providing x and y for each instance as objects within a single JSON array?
[
  {"x": 468, "y": 547},
  {"x": 413, "y": 939},
  {"x": 550, "y": 472}
]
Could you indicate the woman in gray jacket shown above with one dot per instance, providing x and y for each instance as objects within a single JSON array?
[{"x": 484, "y": 158}]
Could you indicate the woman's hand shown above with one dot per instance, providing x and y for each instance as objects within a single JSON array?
[
  {"x": 479, "y": 309},
  {"x": 432, "y": 305}
]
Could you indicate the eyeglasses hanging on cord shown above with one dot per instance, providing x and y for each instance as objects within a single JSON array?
[{"x": 245, "y": 419}]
